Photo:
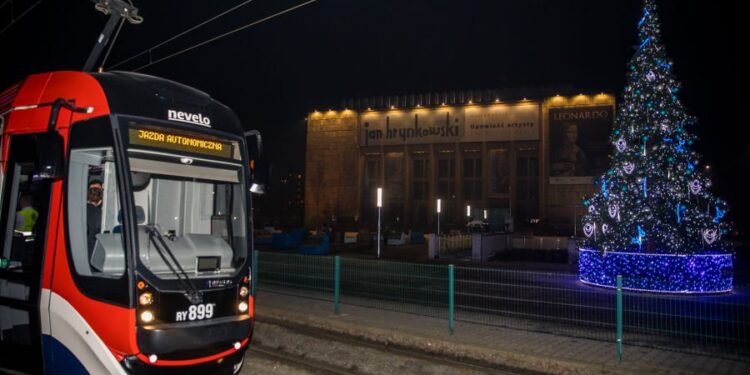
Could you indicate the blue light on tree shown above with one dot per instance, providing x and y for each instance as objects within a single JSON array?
[
  {"x": 667, "y": 234},
  {"x": 663, "y": 273}
]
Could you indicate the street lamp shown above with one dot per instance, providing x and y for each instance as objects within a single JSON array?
[
  {"x": 438, "y": 216},
  {"x": 468, "y": 211},
  {"x": 438, "y": 225},
  {"x": 485, "y": 215},
  {"x": 380, "y": 205}
]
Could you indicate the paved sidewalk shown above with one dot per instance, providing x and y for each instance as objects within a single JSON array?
[{"x": 504, "y": 346}]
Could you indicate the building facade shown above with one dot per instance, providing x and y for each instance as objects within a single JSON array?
[{"x": 531, "y": 159}]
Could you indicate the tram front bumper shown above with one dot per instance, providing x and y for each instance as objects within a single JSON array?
[{"x": 184, "y": 341}]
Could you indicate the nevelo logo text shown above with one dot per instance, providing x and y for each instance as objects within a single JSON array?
[{"x": 190, "y": 118}]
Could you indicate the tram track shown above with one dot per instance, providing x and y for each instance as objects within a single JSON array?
[
  {"x": 355, "y": 345},
  {"x": 297, "y": 361}
]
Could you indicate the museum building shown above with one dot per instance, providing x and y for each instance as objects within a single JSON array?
[{"x": 522, "y": 157}]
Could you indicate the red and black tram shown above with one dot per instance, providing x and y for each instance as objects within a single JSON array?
[{"x": 125, "y": 232}]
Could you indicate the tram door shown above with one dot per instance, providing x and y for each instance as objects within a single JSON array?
[{"x": 23, "y": 224}]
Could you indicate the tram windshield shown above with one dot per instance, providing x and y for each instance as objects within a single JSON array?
[{"x": 189, "y": 210}]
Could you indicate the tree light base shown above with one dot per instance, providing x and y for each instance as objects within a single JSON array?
[{"x": 657, "y": 273}]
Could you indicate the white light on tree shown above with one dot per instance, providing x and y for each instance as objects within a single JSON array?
[
  {"x": 710, "y": 235},
  {"x": 588, "y": 229},
  {"x": 628, "y": 167},
  {"x": 621, "y": 144},
  {"x": 380, "y": 197},
  {"x": 613, "y": 210},
  {"x": 695, "y": 186}
]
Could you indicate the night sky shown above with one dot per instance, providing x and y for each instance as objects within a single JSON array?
[{"x": 273, "y": 74}]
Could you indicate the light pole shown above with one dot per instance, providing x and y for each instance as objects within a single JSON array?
[
  {"x": 380, "y": 204},
  {"x": 468, "y": 217},
  {"x": 438, "y": 226}
]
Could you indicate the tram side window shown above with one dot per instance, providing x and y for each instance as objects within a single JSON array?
[
  {"x": 94, "y": 219},
  {"x": 21, "y": 225}
]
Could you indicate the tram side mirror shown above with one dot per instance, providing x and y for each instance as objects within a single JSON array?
[
  {"x": 260, "y": 177},
  {"x": 260, "y": 169},
  {"x": 49, "y": 155}
]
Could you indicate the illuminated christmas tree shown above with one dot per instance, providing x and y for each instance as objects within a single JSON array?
[{"x": 654, "y": 198}]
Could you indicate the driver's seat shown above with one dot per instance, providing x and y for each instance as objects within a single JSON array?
[{"x": 140, "y": 218}]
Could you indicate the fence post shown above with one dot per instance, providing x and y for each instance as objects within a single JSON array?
[
  {"x": 450, "y": 298},
  {"x": 254, "y": 269},
  {"x": 336, "y": 283},
  {"x": 619, "y": 318}
]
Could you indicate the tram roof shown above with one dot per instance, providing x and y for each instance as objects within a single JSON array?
[{"x": 114, "y": 92}]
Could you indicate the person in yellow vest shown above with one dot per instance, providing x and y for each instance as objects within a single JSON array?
[{"x": 27, "y": 215}]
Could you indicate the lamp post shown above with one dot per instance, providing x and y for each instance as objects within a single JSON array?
[
  {"x": 438, "y": 225},
  {"x": 380, "y": 204}
]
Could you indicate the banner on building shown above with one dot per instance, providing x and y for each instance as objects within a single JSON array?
[
  {"x": 499, "y": 122},
  {"x": 579, "y": 143}
]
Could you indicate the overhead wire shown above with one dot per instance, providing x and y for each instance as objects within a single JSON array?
[
  {"x": 251, "y": 24},
  {"x": 16, "y": 19},
  {"x": 149, "y": 50}
]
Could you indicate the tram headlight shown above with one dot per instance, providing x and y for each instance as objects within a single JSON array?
[
  {"x": 242, "y": 306},
  {"x": 147, "y": 316},
  {"x": 244, "y": 291},
  {"x": 146, "y": 299}
]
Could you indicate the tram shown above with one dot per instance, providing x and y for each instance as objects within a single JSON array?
[{"x": 126, "y": 231}]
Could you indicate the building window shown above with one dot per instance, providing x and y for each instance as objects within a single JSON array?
[
  {"x": 446, "y": 175},
  {"x": 527, "y": 184},
  {"x": 371, "y": 181},
  {"x": 420, "y": 183},
  {"x": 499, "y": 172},
  {"x": 393, "y": 194}
]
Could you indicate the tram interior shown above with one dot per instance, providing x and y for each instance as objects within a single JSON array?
[{"x": 184, "y": 209}]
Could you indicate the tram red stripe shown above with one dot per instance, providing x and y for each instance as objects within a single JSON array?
[{"x": 188, "y": 362}]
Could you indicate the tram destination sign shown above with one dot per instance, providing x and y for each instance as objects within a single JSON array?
[{"x": 179, "y": 141}]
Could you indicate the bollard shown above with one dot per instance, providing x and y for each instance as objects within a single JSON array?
[
  {"x": 619, "y": 318},
  {"x": 336, "y": 283},
  {"x": 450, "y": 298}
]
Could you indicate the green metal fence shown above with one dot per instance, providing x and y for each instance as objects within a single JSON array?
[
  {"x": 407, "y": 287},
  {"x": 537, "y": 301},
  {"x": 299, "y": 275},
  {"x": 718, "y": 325}
]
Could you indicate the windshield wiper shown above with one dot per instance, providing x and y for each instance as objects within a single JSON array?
[
  {"x": 230, "y": 212},
  {"x": 191, "y": 292}
]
